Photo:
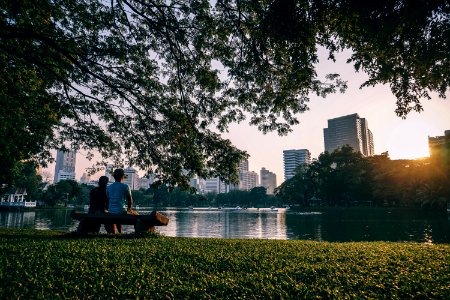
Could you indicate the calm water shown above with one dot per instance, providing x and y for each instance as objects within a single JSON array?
[{"x": 321, "y": 225}]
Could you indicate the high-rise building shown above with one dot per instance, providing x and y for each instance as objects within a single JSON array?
[
  {"x": 268, "y": 180},
  {"x": 247, "y": 179},
  {"x": 214, "y": 185},
  {"x": 65, "y": 165},
  {"x": 131, "y": 178},
  {"x": 243, "y": 165},
  {"x": 292, "y": 159},
  {"x": 349, "y": 130}
]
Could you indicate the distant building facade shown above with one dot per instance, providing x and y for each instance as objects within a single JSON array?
[
  {"x": 349, "y": 130},
  {"x": 247, "y": 179},
  {"x": 131, "y": 178},
  {"x": 144, "y": 183},
  {"x": 17, "y": 199},
  {"x": 292, "y": 159},
  {"x": 85, "y": 178},
  {"x": 268, "y": 180},
  {"x": 437, "y": 144},
  {"x": 215, "y": 186},
  {"x": 65, "y": 165}
]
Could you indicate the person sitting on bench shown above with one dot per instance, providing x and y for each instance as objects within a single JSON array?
[
  {"x": 117, "y": 193},
  {"x": 98, "y": 203}
]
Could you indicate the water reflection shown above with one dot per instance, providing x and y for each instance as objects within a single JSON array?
[
  {"x": 219, "y": 224},
  {"x": 18, "y": 219},
  {"x": 340, "y": 225}
]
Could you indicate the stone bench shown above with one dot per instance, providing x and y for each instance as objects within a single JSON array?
[{"x": 142, "y": 223}]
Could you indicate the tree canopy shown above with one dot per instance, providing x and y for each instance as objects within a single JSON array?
[
  {"x": 346, "y": 178},
  {"x": 154, "y": 82}
]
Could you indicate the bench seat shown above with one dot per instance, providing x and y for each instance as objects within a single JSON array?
[{"x": 142, "y": 223}]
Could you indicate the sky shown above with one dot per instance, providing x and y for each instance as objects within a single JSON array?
[{"x": 402, "y": 138}]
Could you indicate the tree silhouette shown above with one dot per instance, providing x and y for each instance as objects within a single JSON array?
[{"x": 153, "y": 83}]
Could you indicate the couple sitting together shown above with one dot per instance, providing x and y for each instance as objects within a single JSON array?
[{"x": 110, "y": 199}]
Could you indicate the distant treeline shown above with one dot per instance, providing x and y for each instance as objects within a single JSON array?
[
  {"x": 341, "y": 178},
  {"x": 346, "y": 178},
  {"x": 161, "y": 196}
]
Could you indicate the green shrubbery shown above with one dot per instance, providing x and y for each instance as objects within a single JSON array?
[{"x": 49, "y": 264}]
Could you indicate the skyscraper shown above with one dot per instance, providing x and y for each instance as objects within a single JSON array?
[
  {"x": 292, "y": 159},
  {"x": 65, "y": 165},
  {"x": 131, "y": 178},
  {"x": 349, "y": 130},
  {"x": 215, "y": 185},
  {"x": 268, "y": 180},
  {"x": 247, "y": 179}
]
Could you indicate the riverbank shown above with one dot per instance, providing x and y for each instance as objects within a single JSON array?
[{"x": 51, "y": 264}]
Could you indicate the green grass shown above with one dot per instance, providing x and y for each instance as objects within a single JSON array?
[{"x": 52, "y": 265}]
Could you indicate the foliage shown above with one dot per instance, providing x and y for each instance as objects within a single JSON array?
[
  {"x": 27, "y": 178},
  {"x": 141, "y": 198},
  {"x": 66, "y": 192},
  {"x": 46, "y": 264},
  {"x": 346, "y": 178},
  {"x": 151, "y": 82},
  {"x": 178, "y": 197}
]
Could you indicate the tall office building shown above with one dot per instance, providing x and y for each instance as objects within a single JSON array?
[
  {"x": 247, "y": 179},
  {"x": 214, "y": 185},
  {"x": 65, "y": 165},
  {"x": 243, "y": 165},
  {"x": 292, "y": 159},
  {"x": 268, "y": 180},
  {"x": 131, "y": 178},
  {"x": 349, "y": 130}
]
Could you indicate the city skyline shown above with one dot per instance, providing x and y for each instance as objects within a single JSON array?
[{"x": 402, "y": 138}]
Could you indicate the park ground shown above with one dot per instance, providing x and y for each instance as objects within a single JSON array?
[{"x": 59, "y": 265}]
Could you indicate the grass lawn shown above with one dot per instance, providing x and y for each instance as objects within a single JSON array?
[{"x": 51, "y": 265}]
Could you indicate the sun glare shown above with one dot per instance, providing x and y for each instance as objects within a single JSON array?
[{"x": 409, "y": 140}]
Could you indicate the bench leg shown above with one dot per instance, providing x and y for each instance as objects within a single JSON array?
[
  {"x": 83, "y": 227},
  {"x": 110, "y": 228},
  {"x": 141, "y": 226},
  {"x": 87, "y": 226}
]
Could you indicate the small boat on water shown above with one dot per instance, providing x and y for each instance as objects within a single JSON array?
[
  {"x": 231, "y": 208},
  {"x": 273, "y": 208}
]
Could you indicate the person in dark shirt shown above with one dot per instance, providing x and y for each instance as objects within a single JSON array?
[
  {"x": 98, "y": 204},
  {"x": 98, "y": 198}
]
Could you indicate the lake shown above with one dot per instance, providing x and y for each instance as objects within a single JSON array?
[{"x": 321, "y": 224}]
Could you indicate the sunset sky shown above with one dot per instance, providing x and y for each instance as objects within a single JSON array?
[{"x": 402, "y": 138}]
